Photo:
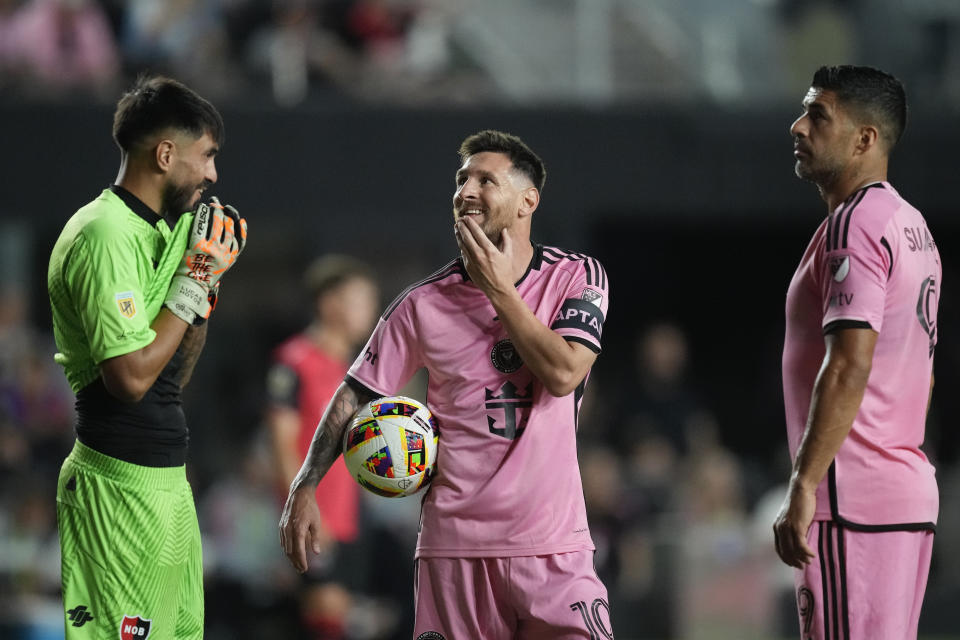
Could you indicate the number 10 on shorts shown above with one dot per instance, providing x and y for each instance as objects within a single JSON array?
[{"x": 599, "y": 630}]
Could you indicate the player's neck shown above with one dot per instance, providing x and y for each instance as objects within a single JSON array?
[
  {"x": 522, "y": 258},
  {"x": 333, "y": 343},
  {"x": 843, "y": 188},
  {"x": 141, "y": 185}
]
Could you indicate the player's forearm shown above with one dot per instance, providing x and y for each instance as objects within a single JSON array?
[
  {"x": 284, "y": 423},
  {"x": 326, "y": 444},
  {"x": 130, "y": 376},
  {"x": 548, "y": 356},
  {"x": 836, "y": 400},
  {"x": 191, "y": 347}
]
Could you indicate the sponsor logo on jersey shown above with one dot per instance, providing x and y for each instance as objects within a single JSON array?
[
  {"x": 128, "y": 309},
  {"x": 134, "y": 628},
  {"x": 504, "y": 357},
  {"x": 593, "y": 296},
  {"x": 840, "y": 300},
  {"x": 79, "y": 616},
  {"x": 839, "y": 267},
  {"x": 431, "y": 635},
  {"x": 515, "y": 406}
]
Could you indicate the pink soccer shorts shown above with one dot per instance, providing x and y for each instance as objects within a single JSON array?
[{"x": 551, "y": 597}]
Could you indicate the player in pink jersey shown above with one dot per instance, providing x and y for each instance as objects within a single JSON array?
[
  {"x": 861, "y": 327},
  {"x": 508, "y": 333},
  {"x": 307, "y": 369}
]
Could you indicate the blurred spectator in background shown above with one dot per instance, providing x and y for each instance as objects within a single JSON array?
[
  {"x": 296, "y": 49},
  {"x": 36, "y": 431},
  {"x": 307, "y": 370},
  {"x": 247, "y": 583},
  {"x": 7, "y": 34},
  {"x": 36, "y": 404},
  {"x": 658, "y": 402},
  {"x": 58, "y": 46},
  {"x": 185, "y": 38}
]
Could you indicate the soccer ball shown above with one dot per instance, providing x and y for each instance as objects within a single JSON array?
[{"x": 391, "y": 446}]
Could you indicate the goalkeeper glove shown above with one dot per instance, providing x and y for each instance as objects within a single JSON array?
[{"x": 216, "y": 238}]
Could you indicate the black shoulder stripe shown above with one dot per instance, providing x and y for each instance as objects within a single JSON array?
[
  {"x": 852, "y": 207},
  {"x": 837, "y": 220},
  {"x": 596, "y": 274},
  {"x": 589, "y": 267},
  {"x": 602, "y": 273},
  {"x": 829, "y": 244},
  {"x": 450, "y": 269},
  {"x": 557, "y": 253},
  {"x": 842, "y": 219},
  {"x": 886, "y": 245}
]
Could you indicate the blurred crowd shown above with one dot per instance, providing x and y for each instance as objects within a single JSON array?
[
  {"x": 288, "y": 52},
  {"x": 295, "y": 48}
]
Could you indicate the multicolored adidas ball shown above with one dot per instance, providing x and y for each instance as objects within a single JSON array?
[{"x": 391, "y": 446}]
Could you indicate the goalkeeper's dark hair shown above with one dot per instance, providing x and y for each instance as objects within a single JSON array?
[
  {"x": 328, "y": 272},
  {"x": 156, "y": 103},
  {"x": 872, "y": 96},
  {"x": 523, "y": 158}
]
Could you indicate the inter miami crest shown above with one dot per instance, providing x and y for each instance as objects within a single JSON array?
[
  {"x": 504, "y": 357},
  {"x": 134, "y": 628}
]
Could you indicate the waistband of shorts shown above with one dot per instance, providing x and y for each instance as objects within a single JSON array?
[{"x": 127, "y": 472}]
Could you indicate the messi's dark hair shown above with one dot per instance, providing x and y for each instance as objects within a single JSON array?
[
  {"x": 155, "y": 103},
  {"x": 522, "y": 157},
  {"x": 873, "y": 96}
]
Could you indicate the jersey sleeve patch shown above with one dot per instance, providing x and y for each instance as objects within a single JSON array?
[
  {"x": 593, "y": 296},
  {"x": 283, "y": 385},
  {"x": 581, "y": 315},
  {"x": 126, "y": 304}
]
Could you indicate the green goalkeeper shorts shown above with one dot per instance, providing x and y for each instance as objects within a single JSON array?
[{"x": 131, "y": 564}]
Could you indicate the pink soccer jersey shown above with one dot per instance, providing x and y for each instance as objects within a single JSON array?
[
  {"x": 872, "y": 263},
  {"x": 508, "y": 482}
]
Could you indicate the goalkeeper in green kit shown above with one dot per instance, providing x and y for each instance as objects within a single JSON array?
[{"x": 132, "y": 280}]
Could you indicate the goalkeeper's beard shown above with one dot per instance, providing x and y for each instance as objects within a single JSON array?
[{"x": 178, "y": 199}]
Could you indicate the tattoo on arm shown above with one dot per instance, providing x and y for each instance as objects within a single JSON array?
[
  {"x": 190, "y": 348},
  {"x": 326, "y": 441}
]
